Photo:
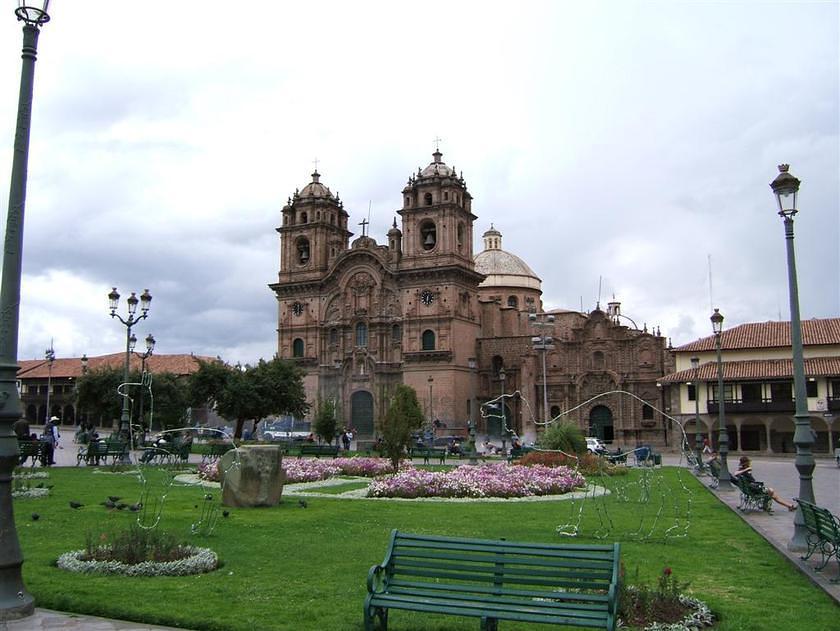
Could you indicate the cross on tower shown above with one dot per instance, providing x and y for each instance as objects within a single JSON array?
[
  {"x": 363, "y": 223},
  {"x": 315, "y": 162},
  {"x": 437, "y": 143}
]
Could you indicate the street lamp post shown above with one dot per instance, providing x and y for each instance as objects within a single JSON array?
[
  {"x": 431, "y": 380},
  {"x": 543, "y": 343},
  {"x": 698, "y": 435},
  {"x": 786, "y": 189},
  {"x": 724, "y": 483},
  {"x": 114, "y": 300},
  {"x": 15, "y": 601},
  {"x": 150, "y": 347},
  {"x": 49, "y": 355},
  {"x": 502, "y": 408}
]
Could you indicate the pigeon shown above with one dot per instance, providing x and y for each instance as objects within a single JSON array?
[
  {"x": 302, "y": 503},
  {"x": 108, "y": 504},
  {"x": 208, "y": 497},
  {"x": 35, "y": 516},
  {"x": 135, "y": 507},
  {"x": 225, "y": 513},
  {"x": 75, "y": 505},
  {"x": 122, "y": 506},
  {"x": 114, "y": 498}
]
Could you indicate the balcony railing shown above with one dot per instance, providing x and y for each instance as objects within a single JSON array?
[{"x": 764, "y": 405}]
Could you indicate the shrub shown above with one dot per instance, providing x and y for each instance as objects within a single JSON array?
[
  {"x": 565, "y": 437},
  {"x": 402, "y": 418},
  {"x": 640, "y": 605},
  {"x": 588, "y": 464},
  {"x": 134, "y": 546}
]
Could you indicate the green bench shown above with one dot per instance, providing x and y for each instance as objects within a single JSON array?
[
  {"x": 99, "y": 451},
  {"x": 752, "y": 497},
  {"x": 214, "y": 451},
  {"x": 318, "y": 450},
  {"x": 36, "y": 450},
  {"x": 517, "y": 452},
  {"x": 570, "y": 584},
  {"x": 823, "y": 534}
]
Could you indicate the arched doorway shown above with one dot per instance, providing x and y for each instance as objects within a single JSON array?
[
  {"x": 601, "y": 423},
  {"x": 495, "y": 422},
  {"x": 361, "y": 413}
]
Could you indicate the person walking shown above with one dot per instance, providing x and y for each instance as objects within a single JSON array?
[{"x": 51, "y": 437}]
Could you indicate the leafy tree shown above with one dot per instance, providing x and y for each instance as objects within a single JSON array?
[
  {"x": 250, "y": 392},
  {"x": 325, "y": 420},
  {"x": 565, "y": 437},
  {"x": 97, "y": 397},
  {"x": 402, "y": 418}
]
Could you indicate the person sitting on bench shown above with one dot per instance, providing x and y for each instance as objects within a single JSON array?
[{"x": 744, "y": 472}]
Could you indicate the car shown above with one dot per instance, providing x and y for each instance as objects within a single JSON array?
[
  {"x": 287, "y": 429},
  {"x": 595, "y": 446}
]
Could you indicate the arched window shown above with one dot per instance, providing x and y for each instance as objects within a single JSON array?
[
  {"x": 459, "y": 236},
  {"x": 647, "y": 412},
  {"x": 498, "y": 363},
  {"x": 555, "y": 411},
  {"x": 304, "y": 218},
  {"x": 428, "y": 235},
  {"x": 598, "y": 360},
  {"x": 303, "y": 250},
  {"x": 297, "y": 347},
  {"x": 396, "y": 333},
  {"x": 513, "y": 301},
  {"x": 427, "y": 199},
  {"x": 361, "y": 334},
  {"x": 445, "y": 194},
  {"x": 428, "y": 340},
  {"x": 333, "y": 336},
  {"x": 407, "y": 201}
]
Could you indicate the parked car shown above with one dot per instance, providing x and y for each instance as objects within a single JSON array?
[
  {"x": 287, "y": 429},
  {"x": 595, "y": 446}
]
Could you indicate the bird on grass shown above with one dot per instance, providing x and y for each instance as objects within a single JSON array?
[
  {"x": 302, "y": 503},
  {"x": 35, "y": 517},
  {"x": 122, "y": 506},
  {"x": 114, "y": 498},
  {"x": 75, "y": 505},
  {"x": 225, "y": 513},
  {"x": 108, "y": 504},
  {"x": 135, "y": 507}
]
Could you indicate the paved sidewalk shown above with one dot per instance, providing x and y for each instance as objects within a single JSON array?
[
  {"x": 47, "y": 620},
  {"x": 777, "y": 527}
]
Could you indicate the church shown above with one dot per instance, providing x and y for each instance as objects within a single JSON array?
[{"x": 460, "y": 328}]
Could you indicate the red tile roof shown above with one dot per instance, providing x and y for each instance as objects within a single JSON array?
[
  {"x": 757, "y": 369},
  {"x": 72, "y": 366},
  {"x": 815, "y": 332}
]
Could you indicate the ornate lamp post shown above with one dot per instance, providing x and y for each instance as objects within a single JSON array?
[
  {"x": 502, "y": 376},
  {"x": 698, "y": 435},
  {"x": 431, "y": 380},
  {"x": 723, "y": 438},
  {"x": 150, "y": 347},
  {"x": 49, "y": 355},
  {"x": 543, "y": 343},
  {"x": 786, "y": 189},
  {"x": 15, "y": 601},
  {"x": 144, "y": 301}
]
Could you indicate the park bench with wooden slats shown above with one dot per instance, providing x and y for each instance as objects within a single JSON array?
[
  {"x": 318, "y": 450},
  {"x": 752, "y": 497},
  {"x": 99, "y": 451},
  {"x": 34, "y": 450},
  {"x": 823, "y": 534},
  {"x": 571, "y": 584}
]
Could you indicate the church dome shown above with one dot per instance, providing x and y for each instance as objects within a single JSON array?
[
  {"x": 315, "y": 188},
  {"x": 502, "y": 268},
  {"x": 437, "y": 168}
]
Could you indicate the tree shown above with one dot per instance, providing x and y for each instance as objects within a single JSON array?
[
  {"x": 402, "y": 418},
  {"x": 565, "y": 437},
  {"x": 97, "y": 396},
  {"x": 325, "y": 420},
  {"x": 249, "y": 392}
]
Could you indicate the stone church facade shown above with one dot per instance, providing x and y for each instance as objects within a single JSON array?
[{"x": 360, "y": 317}]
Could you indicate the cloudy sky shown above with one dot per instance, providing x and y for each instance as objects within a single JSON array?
[{"x": 631, "y": 142}]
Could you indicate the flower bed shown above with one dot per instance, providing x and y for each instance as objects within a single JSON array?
[
  {"x": 489, "y": 480},
  {"x": 314, "y": 469},
  {"x": 197, "y": 561}
]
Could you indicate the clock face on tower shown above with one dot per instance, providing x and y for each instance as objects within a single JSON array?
[
  {"x": 427, "y": 297},
  {"x": 297, "y": 308}
]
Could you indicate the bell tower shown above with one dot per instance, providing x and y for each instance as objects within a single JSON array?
[
  {"x": 314, "y": 232},
  {"x": 437, "y": 218}
]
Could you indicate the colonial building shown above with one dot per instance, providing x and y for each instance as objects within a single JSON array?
[
  {"x": 43, "y": 383},
  {"x": 422, "y": 310},
  {"x": 758, "y": 395}
]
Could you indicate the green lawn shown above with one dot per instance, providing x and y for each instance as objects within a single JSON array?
[{"x": 291, "y": 567}]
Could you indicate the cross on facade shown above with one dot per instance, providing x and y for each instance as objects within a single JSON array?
[
  {"x": 437, "y": 143},
  {"x": 363, "y": 223}
]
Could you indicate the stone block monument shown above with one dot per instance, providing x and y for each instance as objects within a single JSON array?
[{"x": 252, "y": 475}]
